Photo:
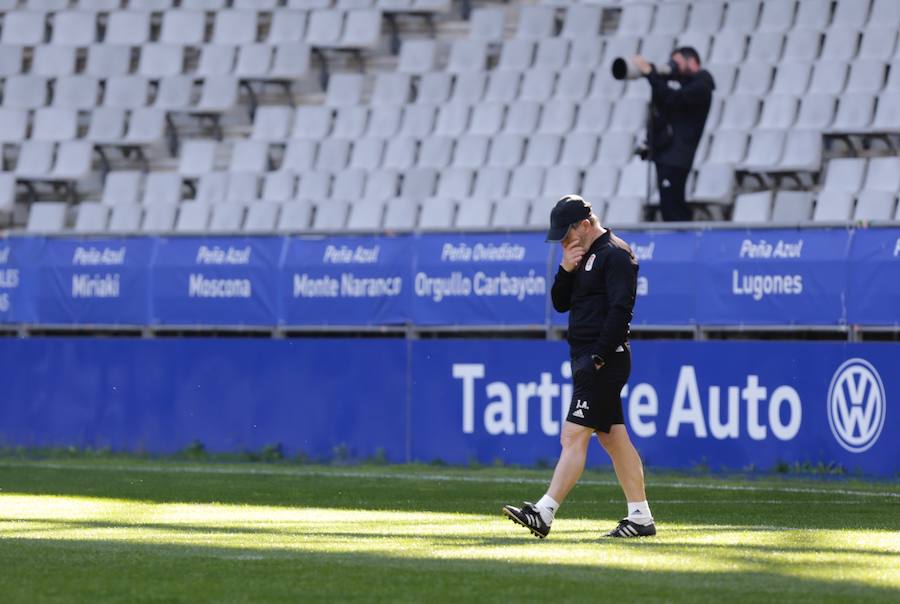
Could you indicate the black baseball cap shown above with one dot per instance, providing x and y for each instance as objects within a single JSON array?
[{"x": 569, "y": 210}]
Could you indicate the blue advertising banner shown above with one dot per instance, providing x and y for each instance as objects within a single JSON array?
[
  {"x": 346, "y": 281},
  {"x": 310, "y": 396},
  {"x": 772, "y": 277},
  {"x": 729, "y": 405},
  {"x": 725, "y": 405},
  {"x": 215, "y": 281},
  {"x": 95, "y": 281},
  {"x": 481, "y": 279},
  {"x": 19, "y": 258},
  {"x": 873, "y": 291},
  {"x": 667, "y": 277}
]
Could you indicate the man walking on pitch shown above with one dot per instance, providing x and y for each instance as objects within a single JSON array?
[{"x": 596, "y": 283}]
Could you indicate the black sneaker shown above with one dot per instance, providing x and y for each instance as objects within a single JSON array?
[
  {"x": 529, "y": 517},
  {"x": 627, "y": 529}
]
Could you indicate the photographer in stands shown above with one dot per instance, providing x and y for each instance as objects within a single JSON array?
[{"x": 682, "y": 93}]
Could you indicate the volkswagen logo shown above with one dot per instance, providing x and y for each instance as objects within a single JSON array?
[{"x": 856, "y": 405}]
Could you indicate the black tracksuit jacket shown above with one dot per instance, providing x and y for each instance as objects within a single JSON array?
[
  {"x": 685, "y": 109},
  {"x": 599, "y": 296}
]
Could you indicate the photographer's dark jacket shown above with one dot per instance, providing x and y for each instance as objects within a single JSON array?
[
  {"x": 685, "y": 110},
  {"x": 599, "y": 295}
]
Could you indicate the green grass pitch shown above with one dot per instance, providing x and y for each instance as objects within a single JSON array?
[{"x": 153, "y": 531}]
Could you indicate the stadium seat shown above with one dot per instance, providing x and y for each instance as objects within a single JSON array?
[
  {"x": 516, "y": 55},
  {"x": 53, "y": 61},
  {"x": 193, "y": 217},
  {"x": 845, "y": 175},
  {"x": 473, "y": 213},
  {"x": 792, "y": 78},
  {"x": 162, "y": 187},
  {"x": 708, "y": 20},
  {"x": 777, "y": 16},
  {"x": 437, "y": 213},
  {"x": 262, "y": 217},
  {"x": 883, "y": 174},
  {"x": 366, "y": 215},
  {"x": 344, "y": 89},
  {"x": 522, "y": 118},
  {"x": 350, "y": 122},
  {"x": 418, "y": 183},
  {"x": 557, "y": 117},
  {"x": 828, "y": 77},
  {"x": 417, "y": 57},
  {"x": 23, "y": 28},
  {"x": 585, "y": 53},
  {"x": 159, "y": 218},
  {"x": 46, "y": 217},
  {"x": 471, "y": 151},
  {"x": 330, "y": 215},
  {"x": 816, "y": 111},
  {"x": 299, "y": 156},
  {"x": 813, "y": 15},
  {"x": 752, "y": 207},
  {"x": 312, "y": 122},
  {"x": 382, "y": 185},
  {"x": 243, "y": 187},
  {"x": 849, "y": 13},
  {"x": 400, "y": 153},
  {"x": 765, "y": 47},
  {"x": 487, "y": 118},
  {"x": 855, "y": 113},
  {"x": 278, "y": 187},
  {"x": 509, "y": 212},
  {"x": 197, "y": 157},
  {"x": 467, "y": 55},
  {"x": 875, "y": 205},
  {"x": 536, "y": 22},
  {"x": 436, "y": 152},
  {"x": 125, "y": 219},
  {"x": 526, "y": 181},
  {"x": 434, "y": 88},
  {"x": 226, "y": 218},
  {"x": 802, "y": 45},
  {"x": 552, "y": 54},
  {"x": 742, "y": 16},
  {"x": 400, "y": 214},
  {"x": 624, "y": 211},
  {"x": 833, "y": 206},
  {"x": 714, "y": 184},
  {"x": 600, "y": 182},
  {"x": 506, "y": 151},
  {"x": 287, "y": 26},
  {"x": 487, "y": 24},
  {"x": 490, "y": 183},
  {"x": 779, "y": 112},
  {"x": 792, "y": 207},
  {"x": 182, "y": 26},
  {"x": 878, "y": 42},
  {"x": 573, "y": 84},
  {"x": 384, "y": 122},
  {"x": 293, "y": 216},
  {"x": 841, "y": 44}
]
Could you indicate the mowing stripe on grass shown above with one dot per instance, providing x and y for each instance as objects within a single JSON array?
[{"x": 312, "y": 472}]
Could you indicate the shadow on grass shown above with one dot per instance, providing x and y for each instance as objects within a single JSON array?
[
  {"x": 72, "y": 571},
  {"x": 381, "y": 492},
  {"x": 786, "y": 544}
]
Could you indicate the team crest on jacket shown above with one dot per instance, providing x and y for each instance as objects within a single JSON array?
[{"x": 590, "y": 262}]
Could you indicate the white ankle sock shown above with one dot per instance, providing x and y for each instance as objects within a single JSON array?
[
  {"x": 547, "y": 507},
  {"x": 639, "y": 512}
]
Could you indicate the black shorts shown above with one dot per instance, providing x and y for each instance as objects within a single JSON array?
[{"x": 597, "y": 395}]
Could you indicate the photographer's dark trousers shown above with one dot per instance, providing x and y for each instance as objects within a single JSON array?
[{"x": 672, "y": 181}]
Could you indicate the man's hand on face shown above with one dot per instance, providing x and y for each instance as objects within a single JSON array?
[{"x": 572, "y": 254}]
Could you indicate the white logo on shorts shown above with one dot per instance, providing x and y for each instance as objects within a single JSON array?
[
  {"x": 579, "y": 405},
  {"x": 856, "y": 405}
]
